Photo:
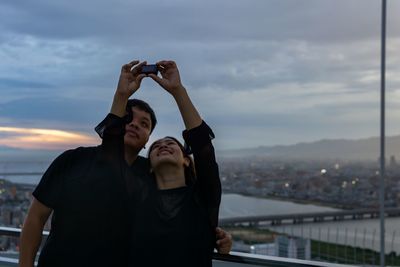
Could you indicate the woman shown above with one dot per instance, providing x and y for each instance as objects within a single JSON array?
[{"x": 175, "y": 224}]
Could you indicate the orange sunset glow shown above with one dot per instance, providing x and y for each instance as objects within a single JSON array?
[{"x": 32, "y": 138}]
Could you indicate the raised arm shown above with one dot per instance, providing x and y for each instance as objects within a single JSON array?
[
  {"x": 170, "y": 80},
  {"x": 114, "y": 124},
  {"x": 198, "y": 136},
  {"x": 129, "y": 82},
  {"x": 208, "y": 184}
]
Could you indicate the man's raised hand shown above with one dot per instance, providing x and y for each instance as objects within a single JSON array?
[{"x": 130, "y": 78}]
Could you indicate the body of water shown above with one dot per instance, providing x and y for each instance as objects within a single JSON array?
[{"x": 234, "y": 205}]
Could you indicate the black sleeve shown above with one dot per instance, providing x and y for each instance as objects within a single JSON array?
[
  {"x": 112, "y": 130},
  {"x": 208, "y": 184},
  {"x": 49, "y": 189}
]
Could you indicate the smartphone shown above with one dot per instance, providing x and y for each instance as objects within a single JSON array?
[{"x": 147, "y": 69}]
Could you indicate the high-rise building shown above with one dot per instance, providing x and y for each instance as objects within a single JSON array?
[
  {"x": 392, "y": 162},
  {"x": 287, "y": 247}
]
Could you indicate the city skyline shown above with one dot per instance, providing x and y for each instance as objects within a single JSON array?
[{"x": 262, "y": 73}]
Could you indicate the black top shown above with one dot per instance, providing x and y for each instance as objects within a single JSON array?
[
  {"x": 173, "y": 227},
  {"x": 94, "y": 193},
  {"x": 176, "y": 227},
  {"x": 85, "y": 189}
]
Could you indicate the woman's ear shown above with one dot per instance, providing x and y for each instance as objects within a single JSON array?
[{"x": 186, "y": 162}]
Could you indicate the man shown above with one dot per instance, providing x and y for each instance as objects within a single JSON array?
[{"x": 86, "y": 191}]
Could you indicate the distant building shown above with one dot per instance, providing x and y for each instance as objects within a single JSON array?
[
  {"x": 268, "y": 249},
  {"x": 287, "y": 247},
  {"x": 392, "y": 162},
  {"x": 293, "y": 247},
  {"x": 13, "y": 192}
]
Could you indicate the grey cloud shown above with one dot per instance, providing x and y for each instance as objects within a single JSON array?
[
  {"x": 262, "y": 65},
  {"x": 215, "y": 34},
  {"x": 63, "y": 112},
  {"x": 73, "y": 51},
  {"x": 302, "y": 126},
  {"x": 12, "y": 84},
  {"x": 141, "y": 22}
]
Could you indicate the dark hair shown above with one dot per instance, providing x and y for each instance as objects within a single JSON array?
[
  {"x": 142, "y": 106},
  {"x": 190, "y": 172}
]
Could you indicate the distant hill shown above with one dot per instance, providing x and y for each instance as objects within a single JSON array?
[{"x": 361, "y": 149}]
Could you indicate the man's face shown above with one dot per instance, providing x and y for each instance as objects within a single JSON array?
[{"x": 137, "y": 131}]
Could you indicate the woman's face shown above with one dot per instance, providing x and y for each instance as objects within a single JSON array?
[{"x": 167, "y": 151}]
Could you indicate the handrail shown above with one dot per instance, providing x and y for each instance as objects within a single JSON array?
[
  {"x": 236, "y": 257},
  {"x": 272, "y": 261},
  {"x": 14, "y": 232},
  {"x": 11, "y": 261}
]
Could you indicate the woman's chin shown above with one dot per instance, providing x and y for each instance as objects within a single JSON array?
[{"x": 164, "y": 161}]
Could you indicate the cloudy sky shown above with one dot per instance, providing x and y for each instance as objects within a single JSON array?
[{"x": 261, "y": 72}]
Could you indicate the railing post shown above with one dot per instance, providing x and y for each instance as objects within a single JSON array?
[
  {"x": 363, "y": 246},
  {"x": 373, "y": 245},
  {"x": 345, "y": 245},
  {"x": 337, "y": 241},
  {"x": 355, "y": 247},
  {"x": 392, "y": 250},
  {"x": 319, "y": 242},
  {"x": 328, "y": 244}
]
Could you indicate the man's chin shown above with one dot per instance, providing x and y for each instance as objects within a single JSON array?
[{"x": 133, "y": 145}]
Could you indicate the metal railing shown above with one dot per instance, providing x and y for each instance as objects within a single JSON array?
[
  {"x": 233, "y": 259},
  {"x": 271, "y": 261}
]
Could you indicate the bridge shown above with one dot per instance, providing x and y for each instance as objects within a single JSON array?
[{"x": 299, "y": 218}]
